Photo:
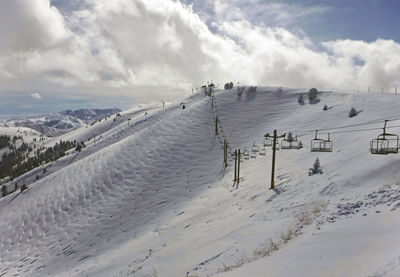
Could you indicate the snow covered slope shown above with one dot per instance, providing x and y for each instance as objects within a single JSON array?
[
  {"x": 153, "y": 198},
  {"x": 28, "y": 133},
  {"x": 55, "y": 124}
]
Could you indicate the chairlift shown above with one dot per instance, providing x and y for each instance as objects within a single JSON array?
[
  {"x": 253, "y": 155},
  {"x": 321, "y": 145},
  {"x": 255, "y": 147},
  {"x": 385, "y": 143},
  {"x": 291, "y": 143},
  {"x": 268, "y": 142},
  {"x": 231, "y": 157},
  {"x": 246, "y": 154},
  {"x": 262, "y": 151}
]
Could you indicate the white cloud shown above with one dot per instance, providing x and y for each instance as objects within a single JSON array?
[
  {"x": 36, "y": 96},
  {"x": 260, "y": 12},
  {"x": 155, "y": 49}
]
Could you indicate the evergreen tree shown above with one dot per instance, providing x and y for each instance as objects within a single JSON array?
[
  {"x": 78, "y": 148},
  {"x": 300, "y": 99},
  {"x": 353, "y": 112},
  {"x": 312, "y": 96},
  {"x": 228, "y": 85},
  {"x": 4, "y": 190},
  {"x": 316, "y": 168},
  {"x": 4, "y": 141},
  {"x": 290, "y": 137}
]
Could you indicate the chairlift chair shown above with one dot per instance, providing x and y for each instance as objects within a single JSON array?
[
  {"x": 255, "y": 147},
  {"x": 246, "y": 154},
  {"x": 231, "y": 154},
  {"x": 291, "y": 143},
  {"x": 321, "y": 145},
  {"x": 277, "y": 145},
  {"x": 385, "y": 143},
  {"x": 262, "y": 151},
  {"x": 268, "y": 142}
]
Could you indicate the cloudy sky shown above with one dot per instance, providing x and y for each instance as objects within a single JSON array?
[{"x": 57, "y": 54}]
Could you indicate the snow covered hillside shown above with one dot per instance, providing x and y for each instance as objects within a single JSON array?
[
  {"x": 152, "y": 197},
  {"x": 55, "y": 124}
]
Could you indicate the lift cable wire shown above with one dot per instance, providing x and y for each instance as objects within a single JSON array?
[{"x": 371, "y": 122}]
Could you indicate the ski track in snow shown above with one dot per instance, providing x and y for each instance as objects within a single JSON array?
[
  {"x": 122, "y": 188},
  {"x": 154, "y": 197}
]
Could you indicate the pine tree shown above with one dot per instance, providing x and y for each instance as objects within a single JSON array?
[
  {"x": 24, "y": 187},
  {"x": 312, "y": 94},
  {"x": 353, "y": 112},
  {"x": 228, "y": 85},
  {"x": 4, "y": 190},
  {"x": 316, "y": 168},
  {"x": 300, "y": 99},
  {"x": 317, "y": 165},
  {"x": 290, "y": 137}
]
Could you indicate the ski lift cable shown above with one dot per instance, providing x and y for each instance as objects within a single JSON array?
[
  {"x": 344, "y": 127},
  {"x": 352, "y": 131},
  {"x": 371, "y": 122}
]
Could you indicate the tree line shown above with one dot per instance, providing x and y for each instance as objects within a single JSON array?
[{"x": 19, "y": 160}]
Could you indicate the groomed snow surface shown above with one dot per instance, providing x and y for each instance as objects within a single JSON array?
[{"x": 154, "y": 199}]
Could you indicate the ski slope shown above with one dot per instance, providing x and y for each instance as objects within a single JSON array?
[
  {"x": 28, "y": 133},
  {"x": 154, "y": 199}
]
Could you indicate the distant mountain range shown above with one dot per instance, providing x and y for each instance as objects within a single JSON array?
[{"x": 55, "y": 124}]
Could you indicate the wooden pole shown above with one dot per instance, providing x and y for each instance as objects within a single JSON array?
[
  {"x": 238, "y": 169},
  {"x": 273, "y": 160},
  {"x": 275, "y": 137},
  {"x": 236, "y": 157},
  {"x": 216, "y": 125},
  {"x": 225, "y": 154}
]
